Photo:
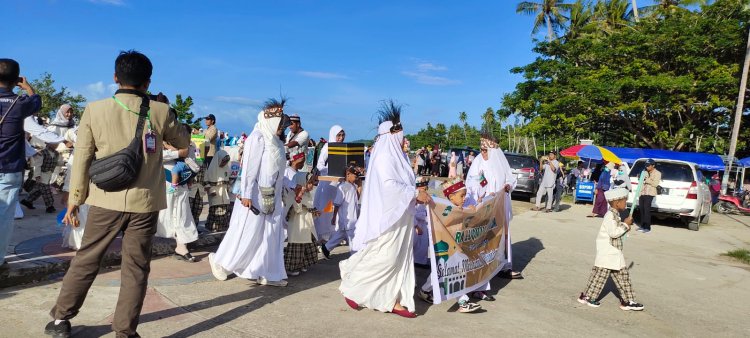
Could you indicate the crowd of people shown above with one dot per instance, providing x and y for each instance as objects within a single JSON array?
[{"x": 278, "y": 215}]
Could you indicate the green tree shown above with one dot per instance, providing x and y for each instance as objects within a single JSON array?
[
  {"x": 668, "y": 83},
  {"x": 580, "y": 19},
  {"x": 53, "y": 98},
  {"x": 666, "y": 7},
  {"x": 463, "y": 118},
  {"x": 182, "y": 108},
  {"x": 546, "y": 13}
]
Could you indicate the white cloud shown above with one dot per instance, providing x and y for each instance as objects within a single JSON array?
[
  {"x": 108, "y": 2},
  {"x": 99, "y": 90},
  {"x": 245, "y": 101},
  {"x": 323, "y": 75},
  {"x": 425, "y": 78},
  {"x": 429, "y": 66},
  {"x": 424, "y": 73}
]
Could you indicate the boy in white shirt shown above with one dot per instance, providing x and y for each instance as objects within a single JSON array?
[{"x": 346, "y": 210}]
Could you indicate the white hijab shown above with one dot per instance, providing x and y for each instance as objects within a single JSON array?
[
  {"x": 335, "y": 130},
  {"x": 496, "y": 170},
  {"x": 273, "y": 144},
  {"x": 215, "y": 173},
  {"x": 60, "y": 119},
  {"x": 389, "y": 189}
]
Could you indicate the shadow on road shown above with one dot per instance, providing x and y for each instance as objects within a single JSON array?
[{"x": 324, "y": 272}]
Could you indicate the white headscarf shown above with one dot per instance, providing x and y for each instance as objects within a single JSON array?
[
  {"x": 215, "y": 173},
  {"x": 335, "y": 130},
  {"x": 273, "y": 144},
  {"x": 497, "y": 172},
  {"x": 60, "y": 119},
  {"x": 389, "y": 189}
]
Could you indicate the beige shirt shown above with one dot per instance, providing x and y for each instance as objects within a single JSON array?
[
  {"x": 106, "y": 128},
  {"x": 608, "y": 256},
  {"x": 650, "y": 182},
  {"x": 210, "y": 134}
]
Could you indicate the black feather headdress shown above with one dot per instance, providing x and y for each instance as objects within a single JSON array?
[
  {"x": 390, "y": 111},
  {"x": 274, "y": 107}
]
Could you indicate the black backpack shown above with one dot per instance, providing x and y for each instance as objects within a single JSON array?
[{"x": 120, "y": 170}]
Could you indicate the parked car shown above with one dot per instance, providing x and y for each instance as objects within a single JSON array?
[
  {"x": 685, "y": 194},
  {"x": 526, "y": 169}
]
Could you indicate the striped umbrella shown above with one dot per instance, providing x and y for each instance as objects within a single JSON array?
[{"x": 590, "y": 152}]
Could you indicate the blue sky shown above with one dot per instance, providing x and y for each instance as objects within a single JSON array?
[{"x": 335, "y": 60}]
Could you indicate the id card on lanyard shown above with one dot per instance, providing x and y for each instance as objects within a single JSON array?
[{"x": 150, "y": 141}]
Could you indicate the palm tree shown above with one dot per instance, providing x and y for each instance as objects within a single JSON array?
[
  {"x": 664, "y": 7},
  {"x": 611, "y": 15},
  {"x": 546, "y": 12},
  {"x": 463, "y": 118},
  {"x": 579, "y": 21}
]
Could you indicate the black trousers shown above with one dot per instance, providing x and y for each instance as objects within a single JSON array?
[{"x": 644, "y": 204}]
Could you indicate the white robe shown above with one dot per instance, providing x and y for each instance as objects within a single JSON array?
[
  {"x": 176, "y": 221},
  {"x": 498, "y": 173},
  {"x": 383, "y": 272},
  {"x": 326, "y": 191},
  {"x": 253, "y": 245},
  {"x": 421, "y": 242}
]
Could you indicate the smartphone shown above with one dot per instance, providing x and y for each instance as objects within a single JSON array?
[{"x": 254, "y": 210}]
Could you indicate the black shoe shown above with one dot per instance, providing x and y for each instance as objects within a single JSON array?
[
  {"x": 631, "y": 306},
  {"x": 61, "y": 330},
  {"x": 325, "y": 251},
  {"x": 28, "y": 204},
  {"x": 51, "y": 210}
]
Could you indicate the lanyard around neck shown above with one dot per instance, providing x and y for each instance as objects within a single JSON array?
[{"x": 148, "y": 115}]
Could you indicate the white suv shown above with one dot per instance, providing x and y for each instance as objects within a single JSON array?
[{"x": 684, "y": 195}]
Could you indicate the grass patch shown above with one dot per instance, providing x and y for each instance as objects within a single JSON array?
[{"x": 742, "y": 255}]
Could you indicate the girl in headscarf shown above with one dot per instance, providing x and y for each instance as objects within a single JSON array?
[
  {"x": 63, "y": 120},
  {"x": 326, "y": 191},
  {"x": 217, "y": 188},
  {"x": 253, "y": 247},
  {"x": 380, "y": 275}
]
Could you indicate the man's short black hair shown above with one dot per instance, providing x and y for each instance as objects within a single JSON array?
[
  {"x": 133, "y": 68},
  {"x": 9, "y": 72}
]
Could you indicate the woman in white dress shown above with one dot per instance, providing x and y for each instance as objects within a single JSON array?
[
  {"x": 176, "y": 221},
  {"x": 326, "y": 191},
  {"x": 253, "y": 247},
  {"x": 380, "y": 275}
]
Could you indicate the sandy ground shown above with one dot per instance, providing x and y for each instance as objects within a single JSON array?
[{"x": 688, "y": 289}]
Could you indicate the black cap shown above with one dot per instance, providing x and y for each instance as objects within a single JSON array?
[
  {"x": 210, "y": 117},
  {"x": 650, "y": 161}
]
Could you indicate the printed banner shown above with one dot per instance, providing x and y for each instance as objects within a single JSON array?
[{"x": 469, "y": 247}]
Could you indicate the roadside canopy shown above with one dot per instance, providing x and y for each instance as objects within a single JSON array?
[
  {"x": 745, "y": 162},
  {"x": 703, "y": 160}
]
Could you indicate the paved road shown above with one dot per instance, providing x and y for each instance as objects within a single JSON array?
[{"x": 687, "y": 287}]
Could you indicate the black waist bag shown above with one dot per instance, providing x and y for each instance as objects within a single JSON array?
[{"x": 120, "y": 170}]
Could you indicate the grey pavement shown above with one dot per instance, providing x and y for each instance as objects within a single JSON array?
[{"x": 688, "y": 289}]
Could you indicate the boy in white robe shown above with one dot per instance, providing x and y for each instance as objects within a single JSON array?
[
  {"x": 345, "y": 210},
  {"x": 610, "y": 262},
  {"x": 253, "y": 247},
  {"x": 326, "y": 191}
]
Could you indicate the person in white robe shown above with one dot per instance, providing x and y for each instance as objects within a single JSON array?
[
  {"x": 176, "y": 221},
  {"x": 253, "y": 245},
  {"x": 421, "y": 233},
  {"x": 326, "y": 191},
  {"x": 345, "y": 211},
  {"x": 380, "y": 275},
  {"x": 491, "y": 174}
]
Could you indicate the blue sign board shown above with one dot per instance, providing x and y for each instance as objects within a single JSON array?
[{"x": 585, "y": 191}]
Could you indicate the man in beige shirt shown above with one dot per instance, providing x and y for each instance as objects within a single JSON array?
[
  {"x": 648, "y": 192},
  {"x": 107, "y": 126},
  {"x": 210, "y": 134}
]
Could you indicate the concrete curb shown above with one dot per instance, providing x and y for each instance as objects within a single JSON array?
[{"x": 31, "y": 264}]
